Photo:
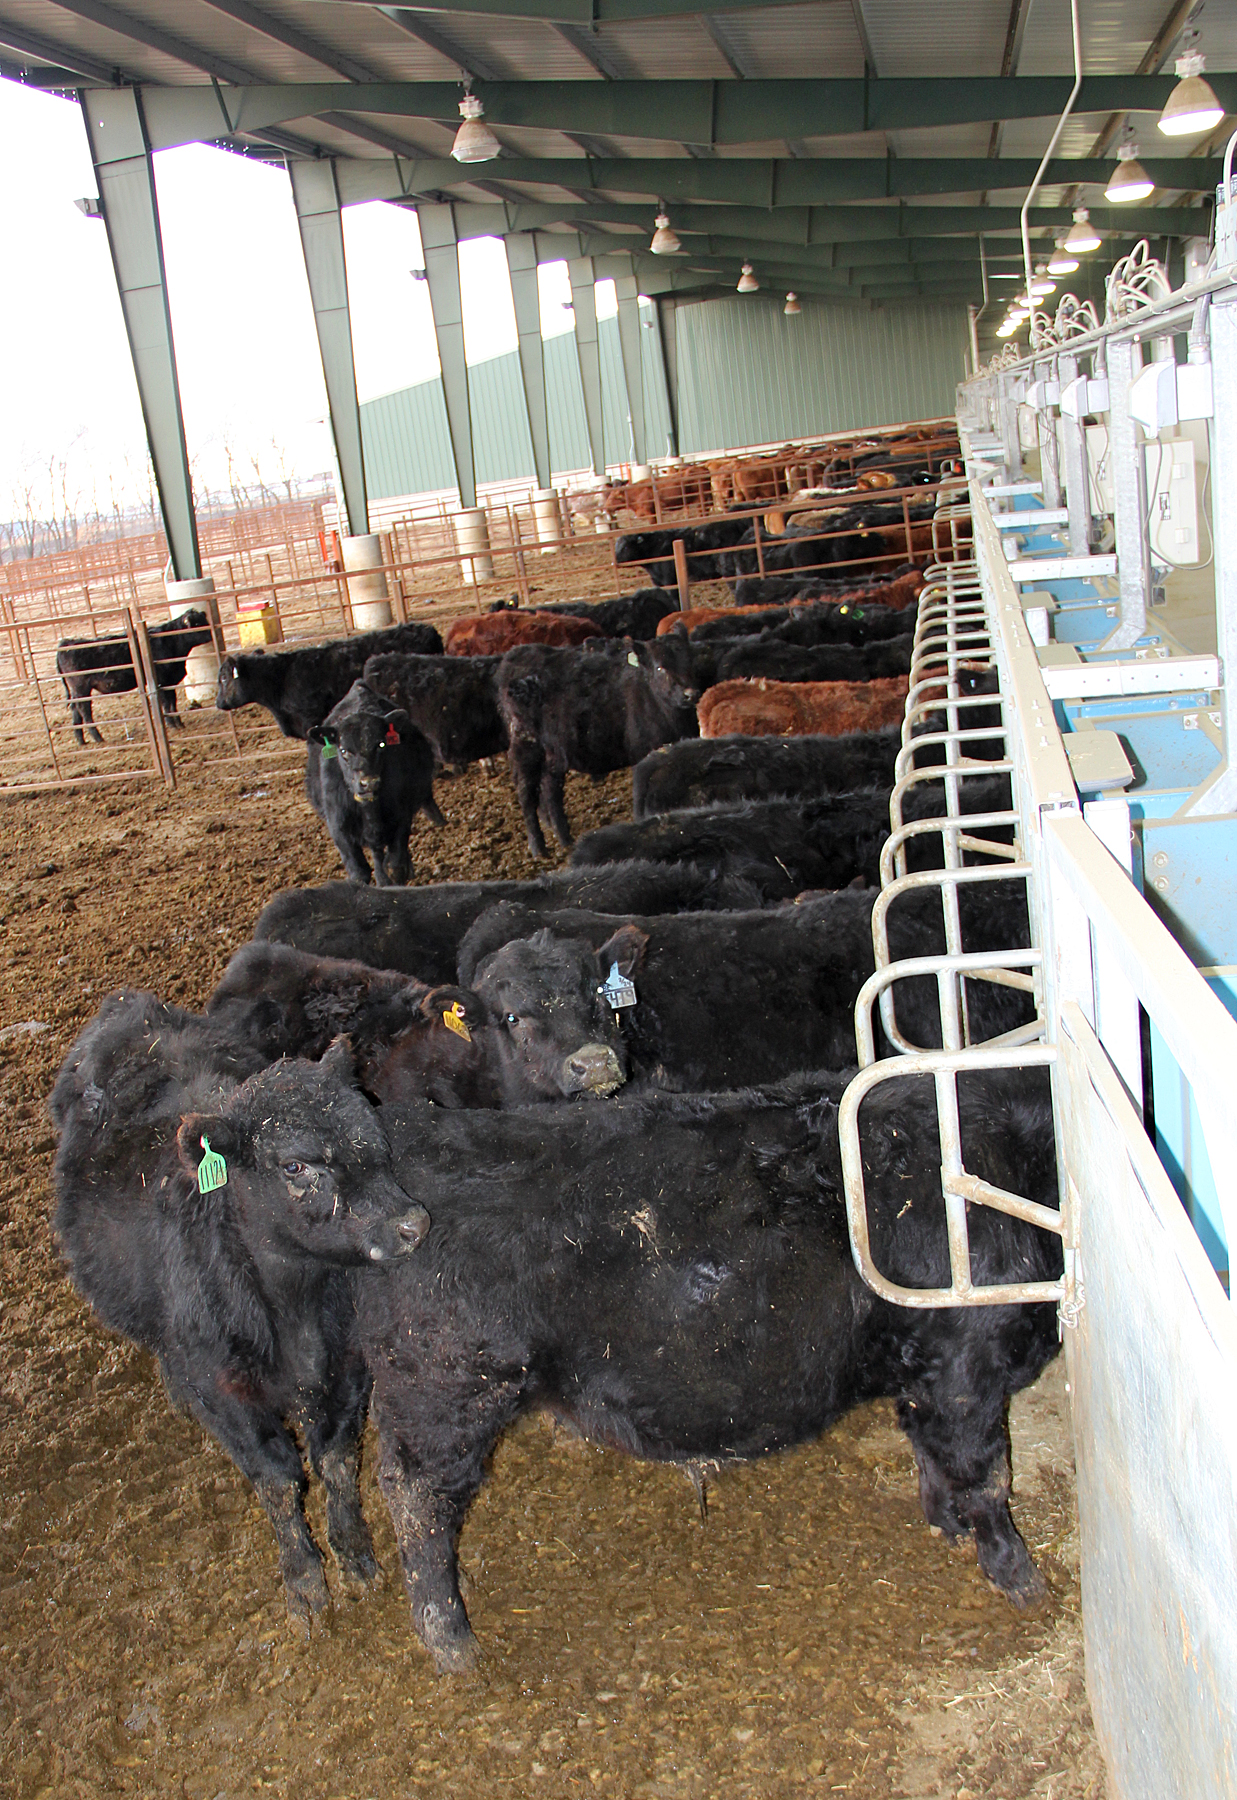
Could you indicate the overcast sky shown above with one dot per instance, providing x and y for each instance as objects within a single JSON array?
[{"x": 246, "y": 350}]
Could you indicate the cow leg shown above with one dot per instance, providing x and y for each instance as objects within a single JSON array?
[
  {"x": 83, "y": 714},
  {"x": 433, "y": 812},
  {"x": 962, "y": 1450},
  {"x": 333, "y": 1439},
  {"x": 553, "y": 803},
  {"x": 171, "y": 713},
  {"x": 427, "y": 1529},
  {"x": 265, "y": 1452},
  {"x": 527, "y": 765},
  {"x": 350, "y": 852}
]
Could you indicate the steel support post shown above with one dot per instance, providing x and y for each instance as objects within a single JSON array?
[
  {"x": 124, "y": 169},
  {"x": 318, "y": 215},
  {"x": 522, "y": 267},
  {"x": 668, "y": 363},
  {"x": 442, "y": 275},
  {"x": 588, "y": 349},
  {"x": 633, "y": 375},
  {"x": 1007, "y": 424},
  {"x": 1074, "y": 466},
  {"x": 1129, "y": 487},
  {"x": 1220, "y": 795},
  {"x": 1046, "y": 428}
]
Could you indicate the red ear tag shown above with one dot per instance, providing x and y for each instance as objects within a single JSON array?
[{"x": 392, "y": 736}]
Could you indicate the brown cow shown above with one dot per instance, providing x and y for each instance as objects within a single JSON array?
[
  {"x": 492, "y": 634},
  {"x": 800, "y": 708},
  {"x": 899, "y": 593}
]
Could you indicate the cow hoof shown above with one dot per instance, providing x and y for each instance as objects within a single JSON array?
[
  {"x": 307, "y": 1595},
  {"x": 359, "y": 1575},
  {"x": 449, "y": 1638},
  {"x": 1030, "y": 1591}
]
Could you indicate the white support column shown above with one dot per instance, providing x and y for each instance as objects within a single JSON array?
[
  {"x": 442, "y": 275},
  {"x": 588, "y": 348}
]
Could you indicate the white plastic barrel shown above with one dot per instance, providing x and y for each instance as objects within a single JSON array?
[
  {"x": 639, "y": 471},
  {"x": 547, "y": 517},
  {"x": 202, "y": 663},
  {"x": 367, "y": 581},
  {"x": 472, "y": 540}
]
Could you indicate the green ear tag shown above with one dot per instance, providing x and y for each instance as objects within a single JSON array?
[
  {"x": 212, "y": 1170},
  {"x": 329, "y": 751}
]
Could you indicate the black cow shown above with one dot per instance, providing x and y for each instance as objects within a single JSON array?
[
  {"x": 783, "y": 847},
  {"x": 299, "y": 687},
  {"x": 105, "y": 666},
  {"x": 240, "y": 1291},
  {"x": 696, "y": 1302},
  {"x": 368, "y": 773},
  {"x": 798, "y": 589},
  {"x": 419, "y": 930},
  {"x": 856, "y": 620},
  {"x": 706, "y": 546},
  {"x": 841, "y": 541},
  {"x": 713, "y": 771},
  {"x": 723, "y": 999},
  {"x": 629, "y": 615},
  {"x": 770, "y": 657},
  {"x": 593, "y": 709},
  {"x": 452, "y": 699},
  {"x": 449, "y": 1044}
]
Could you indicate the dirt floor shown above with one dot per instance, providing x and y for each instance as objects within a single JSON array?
[{"x": 810, "y": 1637}]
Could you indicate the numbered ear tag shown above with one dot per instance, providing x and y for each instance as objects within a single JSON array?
[
  {"x": 453, "y": 1019},
  {"x": 328, "y": 752},
  {"x": 617, "y": 989},
  {"x": 392, "y": 736},
  {"x": 633, "y": 659},
  {"x": 212, "y": 1170}
]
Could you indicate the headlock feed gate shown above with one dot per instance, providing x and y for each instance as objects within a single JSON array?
[{"x": 1118, "y": 739}]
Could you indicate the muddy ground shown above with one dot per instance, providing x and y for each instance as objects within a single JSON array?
[{"x": 810, "y": 1637}]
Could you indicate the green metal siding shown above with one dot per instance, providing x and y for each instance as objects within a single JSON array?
[
  {"x": 749, "y": 375},
  {"x": 408, "y": 450}
]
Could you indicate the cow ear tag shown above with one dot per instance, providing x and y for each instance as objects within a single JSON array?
[
  {"x": 617, "y": 989},
  {"x": 392, "y": 736},
  {"x": 212, "y": 1170},
  {"x": 328, "y": 752},
  {"x": 453, "y": 1019},
  {"x": 633, "y": 659}
]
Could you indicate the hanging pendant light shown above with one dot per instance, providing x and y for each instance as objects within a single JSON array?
[
  {"x": 1041, "y": 286},
  {"x": 1061, "y": 262},
  {"x": 1082, "y": 234},
  {"x": 1130, "y": 181},
  {"x": 474, "y": 141},
  {"x": 1192, "y": 105},
  {"x": 792, "y": 305},
  {"x": 664, "y": 243},
  {"x": 748, "y": 283}
]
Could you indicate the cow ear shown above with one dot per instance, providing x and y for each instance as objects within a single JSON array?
[
  {"x": 626, "y": 948},
  {"x": 219, "y": 1132},
  {"x": 340, "y": 1060},
  {"x": 316, "y": 735},
  {"x": 465, "y": 1007},
  {"x": 399, "y": 721}
]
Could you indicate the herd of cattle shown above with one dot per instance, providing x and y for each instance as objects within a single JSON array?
[{"x": 356, "y": 1177}]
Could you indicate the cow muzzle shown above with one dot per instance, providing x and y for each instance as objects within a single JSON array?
[
  {"x": 592, "y": 1069},
  {"x": 396, "y": 1237}
]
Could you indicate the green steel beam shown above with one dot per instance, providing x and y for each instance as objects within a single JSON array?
[
  {"x": 124, "y": 170},
  {"x": 702, "y": 112},
  {"x": 629, "y": 326},
  {"x": 442, "y": 275},
  {"x": 322, "y": 241},
  {"x": 666, "y": 346},
  {"x": 588, "y": 349},
  {"x": 522, "y": 267},
  {"x": 807, "y": 181}
]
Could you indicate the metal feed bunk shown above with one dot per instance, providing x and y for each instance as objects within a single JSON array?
[{"x": 1118, "y": 741}]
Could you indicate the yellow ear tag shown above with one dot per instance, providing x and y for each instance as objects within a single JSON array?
[{"x": 453, "y": 1019}]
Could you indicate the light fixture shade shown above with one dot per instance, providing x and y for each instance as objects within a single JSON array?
[
  {"x": 1192, "y": 105},
  {"x": 1041, "y": 289},
  {"x": 1129, "y": 181},
  {"x": 664, "y": 243},
  {"x": 792, "y": 305},
  {"x": 1082, "y": 235},
  {"x": 748, "y": 283},
  {"x": 1061, "y": 262},
  {"x": 474, "y": 141}
]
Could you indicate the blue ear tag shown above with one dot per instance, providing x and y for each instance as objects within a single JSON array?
[
  {"x": 329, "y": 751},
  {"x": 617, "y": 989},
  {"x": 212, "y": 1170}
]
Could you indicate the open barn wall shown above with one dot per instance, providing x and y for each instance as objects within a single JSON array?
[
  {"x": 749, "y": 375},
  {"x": 408, "y": 450}
]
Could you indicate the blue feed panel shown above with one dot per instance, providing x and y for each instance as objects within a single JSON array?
[{"x": 1164, "y": 755}]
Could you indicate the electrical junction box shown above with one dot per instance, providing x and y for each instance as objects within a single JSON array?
[
  {"x": 1099, "y": 468},
  {"x": 1172, "y": 501},
  {"x": 1226, "y": 225},
  {"x": 1028, "y": 428}
]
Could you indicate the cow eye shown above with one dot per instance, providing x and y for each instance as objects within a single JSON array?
[
  {"x": 513, "y": 1019},
  {"x": 294, "y": 1168}
]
